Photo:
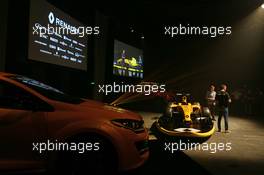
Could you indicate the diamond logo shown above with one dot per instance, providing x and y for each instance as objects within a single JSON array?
[{"x": 51, "y": 17}]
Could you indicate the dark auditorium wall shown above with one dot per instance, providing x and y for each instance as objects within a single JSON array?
[{"x": 3, "y": 29}]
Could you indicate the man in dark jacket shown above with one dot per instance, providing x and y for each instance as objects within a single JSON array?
[{"x": 222, "y": 100}]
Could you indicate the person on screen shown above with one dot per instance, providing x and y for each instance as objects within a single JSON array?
[
  {"x": 123, "y": 56},
  {"x": 210, "y": 100},
  {"x": 223, "y": 100}
]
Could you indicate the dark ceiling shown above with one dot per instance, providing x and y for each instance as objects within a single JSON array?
[
  {"x": 147, "y": 13},
  {"x": 144, "y": 14}
]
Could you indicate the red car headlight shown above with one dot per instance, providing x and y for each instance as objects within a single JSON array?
[{"x": 134, "y": 125}]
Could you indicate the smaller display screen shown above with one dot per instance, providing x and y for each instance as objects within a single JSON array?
[{"x": 128, "y": 60}]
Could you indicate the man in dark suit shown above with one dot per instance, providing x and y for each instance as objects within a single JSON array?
[{"x": 222, "y": 101}]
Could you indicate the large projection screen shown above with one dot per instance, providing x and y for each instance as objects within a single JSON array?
[
  {"x": 60, "y": 44},
  {"x": 128, "y": 60}
]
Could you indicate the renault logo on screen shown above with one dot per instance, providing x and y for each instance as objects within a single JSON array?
[{"x": 51, "y": 17}]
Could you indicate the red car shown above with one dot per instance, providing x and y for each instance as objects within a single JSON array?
[{"x": 43, "y": 129}]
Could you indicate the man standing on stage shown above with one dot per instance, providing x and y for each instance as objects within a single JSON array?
[
  {"x": 222, "y": 101},
  {"x": 210, "y": 100}
]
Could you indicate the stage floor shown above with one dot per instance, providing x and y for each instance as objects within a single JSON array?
[{"x": 245, "y": 157}]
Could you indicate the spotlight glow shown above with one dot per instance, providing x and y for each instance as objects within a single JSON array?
[{"x": 262, "y": 6}]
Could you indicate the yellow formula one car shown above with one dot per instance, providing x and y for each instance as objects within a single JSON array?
[
  {"x": 131, "y": 62},
  {"x": 184, "y": 121}
]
